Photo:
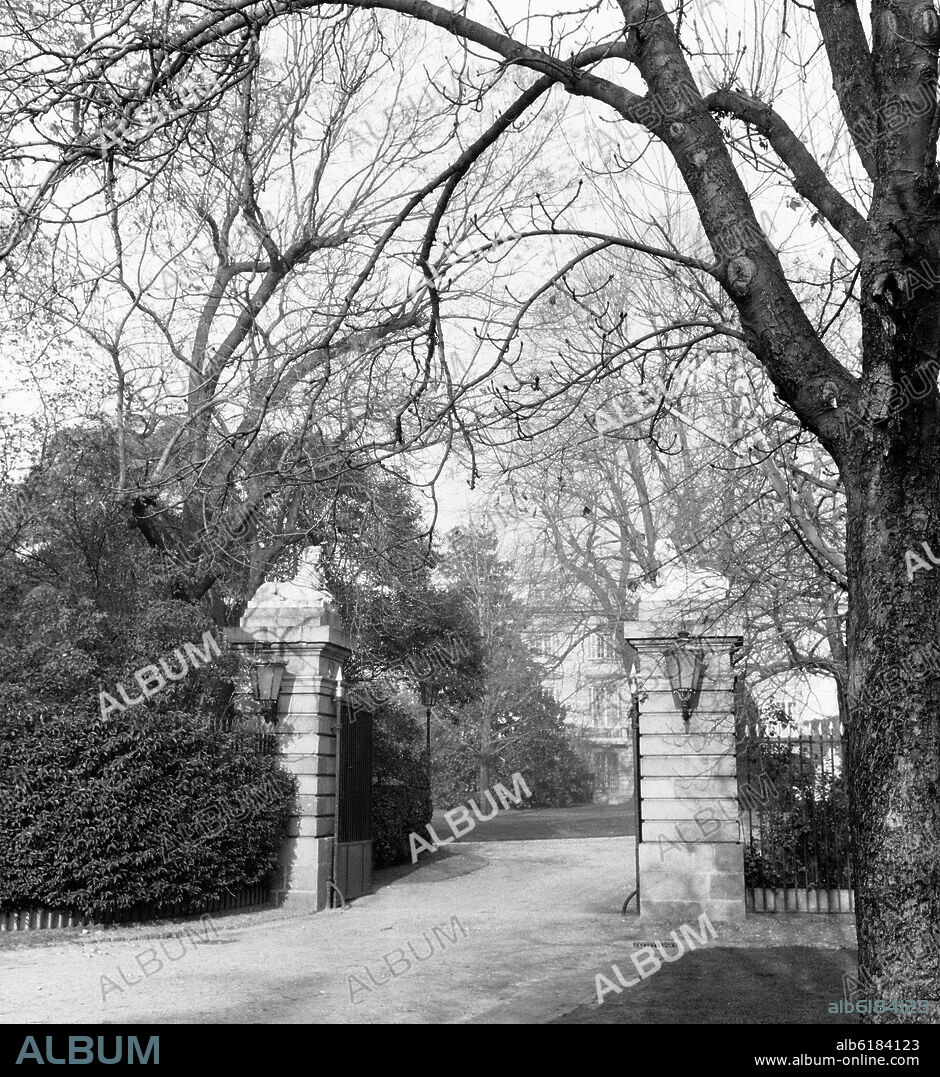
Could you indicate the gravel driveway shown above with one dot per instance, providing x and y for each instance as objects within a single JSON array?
[{"x": 457, "y": 952}]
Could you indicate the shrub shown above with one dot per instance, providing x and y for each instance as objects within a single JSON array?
[
  {"x": 538, "y": 745},
  {"x": 800, "y": 836},
  {"x": 401, "y": 798},
  {"x": 555, "y": 773},
  {"x": 100, "y": 815},
  {"x": 105, "y": 808}
]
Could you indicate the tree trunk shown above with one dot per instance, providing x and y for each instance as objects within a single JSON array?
[
  {"x": 485, "y": 748},
  {"x": 893, "y": 738},
  {"x": 484, "y": 777}
]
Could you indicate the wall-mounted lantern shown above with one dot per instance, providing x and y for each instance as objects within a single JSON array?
[
  {"x": 685, "y": 668},
  {"x": 266, "y": 674}
]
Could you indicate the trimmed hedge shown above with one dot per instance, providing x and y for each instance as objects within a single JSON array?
[
  {"x": 100, "y": 815},
  {"x": 160, "y": 804}
]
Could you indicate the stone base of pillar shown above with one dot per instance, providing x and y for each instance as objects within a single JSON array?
[
  {"x": 680, "y": 882},
  {"x": 304, "y": 871}
]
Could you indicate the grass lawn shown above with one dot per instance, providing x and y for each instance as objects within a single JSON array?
[{"x": 729, "y": 985}]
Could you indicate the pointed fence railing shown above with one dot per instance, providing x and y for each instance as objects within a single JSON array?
[{"x": 794, "y": 818}]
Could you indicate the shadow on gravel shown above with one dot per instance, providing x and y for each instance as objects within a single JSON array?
[
  {"x": 430, "y": 868},
  {"x": 732, "y": 985},
  {"x": 549, "y": 824}
]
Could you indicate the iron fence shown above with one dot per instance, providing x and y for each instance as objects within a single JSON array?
[
  {"x": 32, "y": 919},
  {"x": 253, "y": 732},
  {"x": 794, "y": 813}
]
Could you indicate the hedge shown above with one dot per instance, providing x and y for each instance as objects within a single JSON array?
[{"x": 162, "y": 809}]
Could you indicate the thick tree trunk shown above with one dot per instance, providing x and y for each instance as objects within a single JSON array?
[{"x": 893, "y": 751}]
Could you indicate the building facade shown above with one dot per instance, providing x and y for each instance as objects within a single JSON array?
[{"x": 587, "y": 670}]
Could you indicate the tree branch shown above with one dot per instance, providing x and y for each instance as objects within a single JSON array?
[
  {"x": 777, "y": 328},
  {"x": 852, "y": 73},
  {"x": 809, "y": 179}
]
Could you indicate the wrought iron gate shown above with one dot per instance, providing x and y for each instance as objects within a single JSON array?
[
  {"x": 794, "y": 814},
  {"x": 352, "y": 871}
]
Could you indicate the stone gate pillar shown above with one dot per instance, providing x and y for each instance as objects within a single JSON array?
[
  {"x": 297, "y": 623},
  {"x": 690, "y": 855}
]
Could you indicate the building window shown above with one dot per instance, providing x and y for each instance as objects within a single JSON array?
[
  {"x": 544, "y": 644},
  {"x": 605, "y": 706},
  {"x": 602, "y": 645},
  {"x": 606, "y": 773}
]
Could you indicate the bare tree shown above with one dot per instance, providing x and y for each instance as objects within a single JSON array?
[
  {"x": 246, "y": 307},
  {"x": 715, "y": 117},
  {"x": 682, "y": 441}
]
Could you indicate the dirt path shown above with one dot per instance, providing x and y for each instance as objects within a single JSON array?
[
  {"x": 540, "y": 824},
  {"x": 529, "y": 954}
]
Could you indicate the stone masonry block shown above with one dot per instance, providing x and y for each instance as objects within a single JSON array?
[
  {"x": 688, "y": 766},
  {"x": 681, "y": 788},
  {"x": 686, "y": 745},
  {"x": 680, "y": 831},
  {"x": 690, "y": 809},
  {"x": 688, "y": 912}
]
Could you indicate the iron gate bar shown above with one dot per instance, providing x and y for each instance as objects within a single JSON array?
[
  {"x": 352, "y": 833},
  {"x": 800, "y": 838}
]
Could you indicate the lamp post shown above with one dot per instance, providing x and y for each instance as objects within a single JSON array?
[
  {"x": 266, "y": 674},
  {"x": 685, "y": 668}
]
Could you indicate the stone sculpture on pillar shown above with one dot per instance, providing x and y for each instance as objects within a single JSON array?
[{"x": 296, "y": 622}]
